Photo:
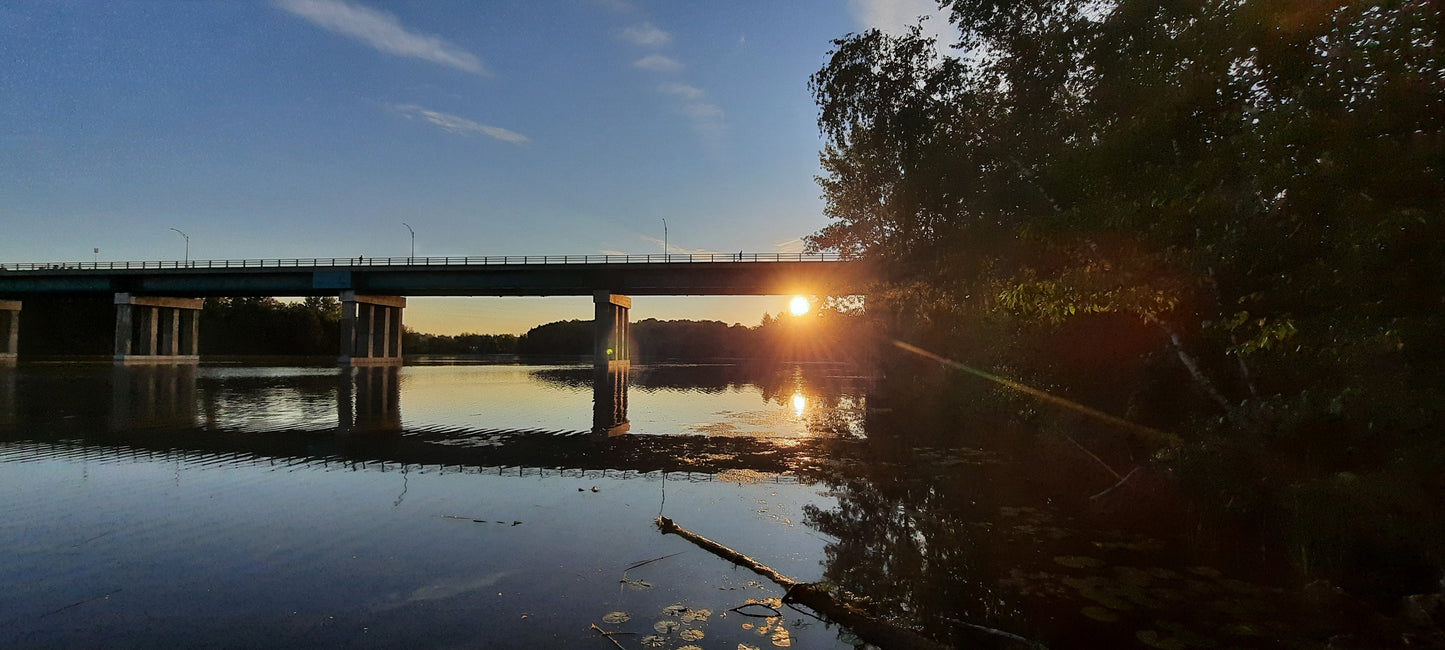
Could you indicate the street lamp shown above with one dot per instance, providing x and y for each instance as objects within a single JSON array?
[
  {"x": 413, "y": 242},
  {"x": 188, "y": 246},
  {"x": 664, "y": 240}
]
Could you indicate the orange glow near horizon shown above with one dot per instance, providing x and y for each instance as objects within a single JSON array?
[
  {"x": 799, "y": 305},
  {"x": 516, "y": 315}
]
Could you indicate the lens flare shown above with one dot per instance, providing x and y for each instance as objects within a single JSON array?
[{"x": 799, "y": 305}]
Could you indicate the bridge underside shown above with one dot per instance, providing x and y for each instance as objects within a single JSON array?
[
  {"x": 638, "y": 279},
  {"x": 156, "y": 309}
]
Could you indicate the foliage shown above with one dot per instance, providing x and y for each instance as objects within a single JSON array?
[
  {"x": 269, "y": 326},
  {"x": 466, "y": 343},
  {"x": 824, "y": 334},
  {"x": 1261, "y": 182},
  {"x": 560, "y": 337}
]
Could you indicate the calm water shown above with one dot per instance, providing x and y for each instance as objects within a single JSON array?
[{"x": 472, "y": 506}]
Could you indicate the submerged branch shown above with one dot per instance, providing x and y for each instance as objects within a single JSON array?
[
  {"x": 1151, "y": 434},
  {"x": 844, "y": 611}
]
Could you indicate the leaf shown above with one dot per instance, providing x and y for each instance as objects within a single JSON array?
[
  {"x": 675, "y": 609},
  {"x": 616, "y": 617},
  {"x": 666, "y": 626},
  {"x": 695, "y": 615},
  {"x": 691, "y": 634}
]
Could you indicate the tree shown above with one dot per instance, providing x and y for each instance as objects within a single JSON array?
[{"x": 1251, "y": 179}]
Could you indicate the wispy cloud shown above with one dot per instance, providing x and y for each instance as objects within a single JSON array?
[
  {"x": 706, "y": 118},
  {"x": 382, "y": 31},
  {"x": 646, "y": 35},
  {"x": 681, "y": 90},
  {"x": 657, "y": 63},
  {"x": 794, "y": 245},
  {"x": 896, "y": 16},
  {"x": 459, "y": 125},
  {"x": 678, "y": 250}
]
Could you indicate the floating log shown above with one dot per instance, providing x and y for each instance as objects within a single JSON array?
[{"x": 842, "y": 611}]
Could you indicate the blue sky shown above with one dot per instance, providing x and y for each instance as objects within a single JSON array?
[{"x": 301, "y": 128}]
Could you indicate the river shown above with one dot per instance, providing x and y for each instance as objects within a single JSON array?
[{"x": 457, "y": 504}]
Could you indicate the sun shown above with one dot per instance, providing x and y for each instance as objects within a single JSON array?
[{"x": 799, "y": 305}]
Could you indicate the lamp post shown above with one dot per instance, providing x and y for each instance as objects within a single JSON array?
[
  {"x": 413, "y": 242},
  {"x": 188, "y": 246},
  {"x": 664, "y": 240}
]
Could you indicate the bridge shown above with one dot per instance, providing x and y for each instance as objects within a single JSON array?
[{"x": 157, "y": 303}]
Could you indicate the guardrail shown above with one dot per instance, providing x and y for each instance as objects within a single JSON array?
[{"x": 672, "y": 258}]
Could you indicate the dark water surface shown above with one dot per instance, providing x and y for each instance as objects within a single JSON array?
[{"x": 470, "y": 506}]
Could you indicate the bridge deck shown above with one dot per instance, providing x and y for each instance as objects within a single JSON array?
[{"x": 555, "y": 275}]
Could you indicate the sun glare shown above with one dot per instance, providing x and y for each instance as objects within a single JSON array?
[{"x": 799, "y": 305}]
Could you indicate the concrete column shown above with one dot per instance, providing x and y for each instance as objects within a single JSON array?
[
  {"x": 124, "y": 329},
  {"x": 148, "y": 331},
  {"x": 166, "y": 331},
  {"x": 190, "y": 332},
  {"x": 381, "y": 331},
  {"x": 370, "y": 329},
  {"x": 396, "y": 332},
  {"x": 9, "y": 331},
  {"x": 168, "y": 322},
  {"x": 366, "y": 323},
  {"x": 347, "y": 329},
  {"x": 611, "y": 325}
]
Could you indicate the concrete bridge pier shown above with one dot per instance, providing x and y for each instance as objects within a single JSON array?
[
  {"x": 613, "y": 330},
  {"x": 9, "y": 331},
  {"x": 611, "y": 361},
  {"x": 152, "y": 329},
  {"x": 370, "y": 330}
]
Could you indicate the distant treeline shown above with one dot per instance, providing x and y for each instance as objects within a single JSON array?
[
  {"x": 244, "y": 326},
  {"x": 466, "y": 343},
  {"x": 823, "y": 335}
]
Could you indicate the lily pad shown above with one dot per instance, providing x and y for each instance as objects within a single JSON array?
[
  {"x": 691, "y": 634},
  {"x": 666, "y": 627},
  {"x": 1101, "y": 614},
  {"x": 695, "y": 615},
  {"x": 654, "y": 641},
  {"x": 616, "y": 617},
  {"x": 675, "y": 609}
]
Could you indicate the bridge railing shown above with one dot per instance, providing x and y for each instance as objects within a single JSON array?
[{"x": 313, "y": 262}]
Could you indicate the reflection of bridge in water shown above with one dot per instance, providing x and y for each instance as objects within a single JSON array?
[{"x": 160, "y": 412}]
